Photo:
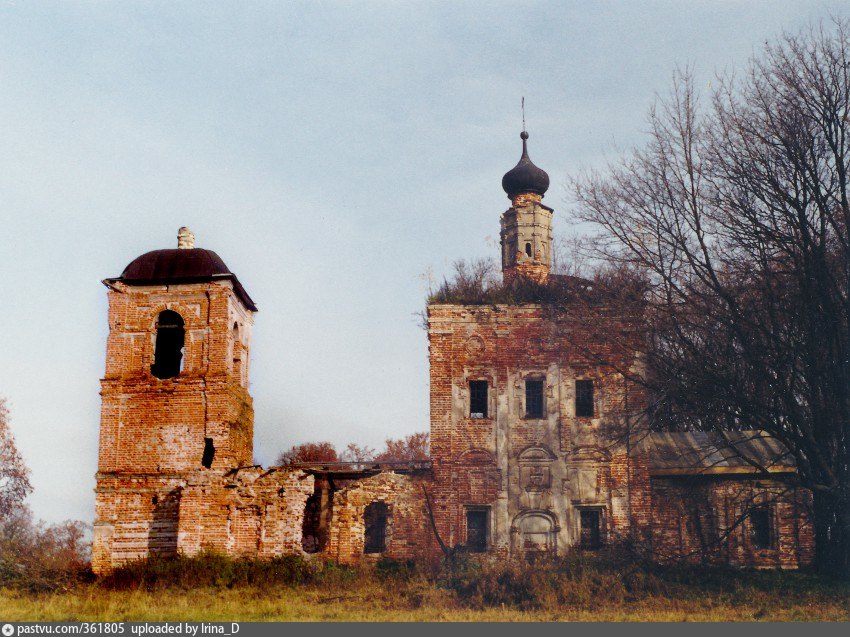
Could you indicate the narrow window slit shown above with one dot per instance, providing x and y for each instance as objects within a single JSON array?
[{"x": 209, "y": 453}]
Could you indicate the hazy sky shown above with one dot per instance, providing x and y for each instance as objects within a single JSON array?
[{"x": 332, "y": 153}]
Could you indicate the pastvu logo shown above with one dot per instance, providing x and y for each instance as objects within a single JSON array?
[{"x": 8, "y": 629}]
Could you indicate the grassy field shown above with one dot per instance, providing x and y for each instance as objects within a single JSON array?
[{"x": 566, "y": 591}]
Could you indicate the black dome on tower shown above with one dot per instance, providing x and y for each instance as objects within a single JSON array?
[{"x": 525, "y": 176}]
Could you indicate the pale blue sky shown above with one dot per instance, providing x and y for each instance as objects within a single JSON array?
[{"x": 330, "y": 152}]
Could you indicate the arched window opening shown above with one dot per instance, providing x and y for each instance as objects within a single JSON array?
[
  {"x": 168, "y": 352},
  {"x": 375, "y": 518},
  {"x": 528, "y": 249},
  {"x": 236, "y": 343}
]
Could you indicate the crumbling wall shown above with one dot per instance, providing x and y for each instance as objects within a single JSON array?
[
  {"x": 152, "y": 425},
  {"x": 408, "y": 533},
  {"x": 251, "y": 512}
]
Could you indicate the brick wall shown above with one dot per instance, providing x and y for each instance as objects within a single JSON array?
[
  {"x": 704, "y": 519},
  {"x": 247, "y": 512},
  {"x": 408, "y": 533}
]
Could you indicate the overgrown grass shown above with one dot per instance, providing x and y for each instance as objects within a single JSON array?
[{"x": 211, "y": 587}]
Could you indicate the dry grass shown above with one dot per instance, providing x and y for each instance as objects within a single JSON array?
[
  {"x": 574, "y": 589},
  {"x": 371, "y": 603}
]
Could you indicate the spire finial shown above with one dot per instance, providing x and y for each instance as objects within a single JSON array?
[
  {"x": 523, "y": 116},
  {"x": 524, "y": 134}
]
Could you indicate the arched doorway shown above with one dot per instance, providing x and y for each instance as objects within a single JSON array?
[{"x": 535, "y": 532}]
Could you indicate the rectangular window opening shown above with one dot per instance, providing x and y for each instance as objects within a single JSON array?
[
  {"x": 534, "y": 399},
  {"x": 375, "y": 520},
  {"x": 584, "y": 398},
  {"x": 591, "y": 531},
  {"x": 760, "y": 527},
  {"x": 477, "y": 522},
  {"x": 478, "y": 399}
]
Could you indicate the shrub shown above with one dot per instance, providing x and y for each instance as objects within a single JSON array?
[
  {"x": 210, "y": 569},
  {"x": 41, "y": 557}
]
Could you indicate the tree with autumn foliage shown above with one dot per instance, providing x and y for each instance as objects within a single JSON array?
[
  {"x": 14, "y": 474},
  {"x": 309, "y": 452},
  {"x": 413, "y": 447}
]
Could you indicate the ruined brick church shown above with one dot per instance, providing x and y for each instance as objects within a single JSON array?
[{"x": 539, "y": 434}]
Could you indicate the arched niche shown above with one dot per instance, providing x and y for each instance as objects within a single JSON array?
[
  {"x": 536, "y": 454},
  {"x": 477, "y": 479},
  {"x": 477, "y": 457}
]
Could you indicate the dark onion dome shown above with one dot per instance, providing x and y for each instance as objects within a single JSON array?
[
  {"x": 181, "y": 265},
  {"x": 525, "y": 176}
]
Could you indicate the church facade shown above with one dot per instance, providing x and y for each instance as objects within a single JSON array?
[{"x": 539, "y": 435}]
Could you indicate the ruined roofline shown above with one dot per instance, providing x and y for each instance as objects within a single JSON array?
[
  {"x": 556, "y": 291},
  {"x": 399, "y": 466},
  {"x": 695, "y": 453}
]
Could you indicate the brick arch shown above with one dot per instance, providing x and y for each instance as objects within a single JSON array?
[
  {"x": 536, "y": 453},
  {"x": 476, "y": 457},
  {"x": 175, "y": 306}
]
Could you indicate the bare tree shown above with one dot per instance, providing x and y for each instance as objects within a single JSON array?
[
  {"x": 357, "y": 453},
  {"x": 14, "y": 474},
  {"x": 737, "y": 215}
]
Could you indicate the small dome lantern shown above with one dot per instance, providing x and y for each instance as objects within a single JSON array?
[{"x": 525, "y": 177}]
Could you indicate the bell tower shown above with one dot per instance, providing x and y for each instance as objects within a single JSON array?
[
  {"x": 175, "y": 398},
  {"x": 526, "y": 227},
  {"x": 175, "y": 392}
]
